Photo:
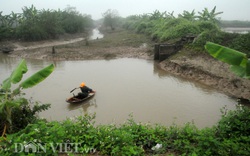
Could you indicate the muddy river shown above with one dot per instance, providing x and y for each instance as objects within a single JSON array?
[{"x": 124, "y": 87}]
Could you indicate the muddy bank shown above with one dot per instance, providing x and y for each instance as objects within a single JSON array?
[
  {"x": 118, "y": 44},
  {"x": 209, "y": 71}
]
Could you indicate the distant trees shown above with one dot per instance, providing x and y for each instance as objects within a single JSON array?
[
  {"x": 33, "y": 24},
  {"x": 188, "y": 15},
  {"x": 164, "y": 27},
  {"x": 111, "y": 18},
  {"x": 205, "y": 15}
]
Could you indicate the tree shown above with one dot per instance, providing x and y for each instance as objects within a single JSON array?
[
  {"x": 205, "y": 15},
  {"x": 188, "y": 15},
  {"x": 111, "y": 18}
]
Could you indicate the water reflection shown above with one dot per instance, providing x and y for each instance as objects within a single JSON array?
[{"x": 84, "y": 105}]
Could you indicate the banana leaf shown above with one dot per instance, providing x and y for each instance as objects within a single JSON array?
[
  {"x": 16, "y": 76},
  {"x": 37, "y": 77},
  {"x": 227, "y": 55},
  {"x": 239, "y": 62},
  {"x": 6, "y": 84}
]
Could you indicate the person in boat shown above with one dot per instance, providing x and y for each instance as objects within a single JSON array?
[{"x": 85, "y": 90}]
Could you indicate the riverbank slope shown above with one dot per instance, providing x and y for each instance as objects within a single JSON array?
[{"x": 205, "y": 69}]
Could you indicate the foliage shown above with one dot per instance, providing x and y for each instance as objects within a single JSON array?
[
  {"x": 188, "y": 15},
  {"x": 10, "y": 101},
  {"x": 241, "y": 42},
  {"x": 205, "y": 15},
  {"x": 229, "y": 137},
  {"x": 168, "y": 28},
  {"x": 33, "y": 24},
  {"x": 163, "y": 27},
  {"x": 239, "y": 62}
]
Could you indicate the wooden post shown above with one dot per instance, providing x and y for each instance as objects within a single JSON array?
[
  {"x": 156, "y": 52},
  {"x": 53, "y": 50}
]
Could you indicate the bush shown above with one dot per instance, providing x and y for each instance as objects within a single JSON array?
[
  {"x": 241, "y": 43},
  {"x": 26, "y": 114}
]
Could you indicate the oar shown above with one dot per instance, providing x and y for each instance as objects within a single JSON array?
[{"x": 73, "y": 90}]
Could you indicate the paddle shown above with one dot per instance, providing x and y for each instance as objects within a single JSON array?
[{"x": 73, "y": 89}]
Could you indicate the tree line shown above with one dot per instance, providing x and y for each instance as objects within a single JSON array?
[
  {"x": 164, "y": 26},
  {"x": 33, "y": 24},
  {"x": 206, "y": 26}
]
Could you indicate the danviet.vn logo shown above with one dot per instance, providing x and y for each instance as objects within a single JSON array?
[{"x": 34, "y": 147}]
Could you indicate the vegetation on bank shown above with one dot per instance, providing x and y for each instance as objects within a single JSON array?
[
  {"x": 165, "y": 28},
  {"x": 33, "y": 24}
]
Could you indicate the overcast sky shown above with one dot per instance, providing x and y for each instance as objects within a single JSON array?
[{"x": 233, "y": 9}]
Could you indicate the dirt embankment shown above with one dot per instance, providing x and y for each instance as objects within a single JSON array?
[
  {"x": 116, "y": 44},
  {"x": 119, "y": 44},
  {"x": 207, "y": 70}
]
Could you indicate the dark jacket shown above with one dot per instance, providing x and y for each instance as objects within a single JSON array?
[
  {"x": 86, "y": 89},
  {"x": 85, "y": 92}
]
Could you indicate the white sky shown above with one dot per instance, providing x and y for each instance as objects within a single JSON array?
[{"x": 233, "y": 9}]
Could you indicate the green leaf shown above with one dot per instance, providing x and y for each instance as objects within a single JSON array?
[
  {"x": 248, "y": 69},
  {"x": 6, "y": 84},
  {"x": 238, "y": 70},
  {"x": 37, "y": 77},
  {"x": 16, "y": 75},
  {"x": 239, "y": 62},
  {"x": 227, "y": 55}
]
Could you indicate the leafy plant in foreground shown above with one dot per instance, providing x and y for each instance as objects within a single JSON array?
[{"x": 9, "y": 100}]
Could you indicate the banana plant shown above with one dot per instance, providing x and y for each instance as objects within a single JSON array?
[
  {"x": 240, "y": 63},
  {"x": 9, "y": 99},
  {"x": 188, "y": 15},
  {"x": 205, "y": 15}
]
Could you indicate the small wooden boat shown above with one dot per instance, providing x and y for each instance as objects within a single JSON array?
[{"x": 74, "y": 99}]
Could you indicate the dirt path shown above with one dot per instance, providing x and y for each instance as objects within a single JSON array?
[
  {"x": 20, "y": 47},
  {"x": 117, "y": 44}
]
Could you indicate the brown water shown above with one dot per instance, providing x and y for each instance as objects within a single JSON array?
[{"x": 124, "y": 86}]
